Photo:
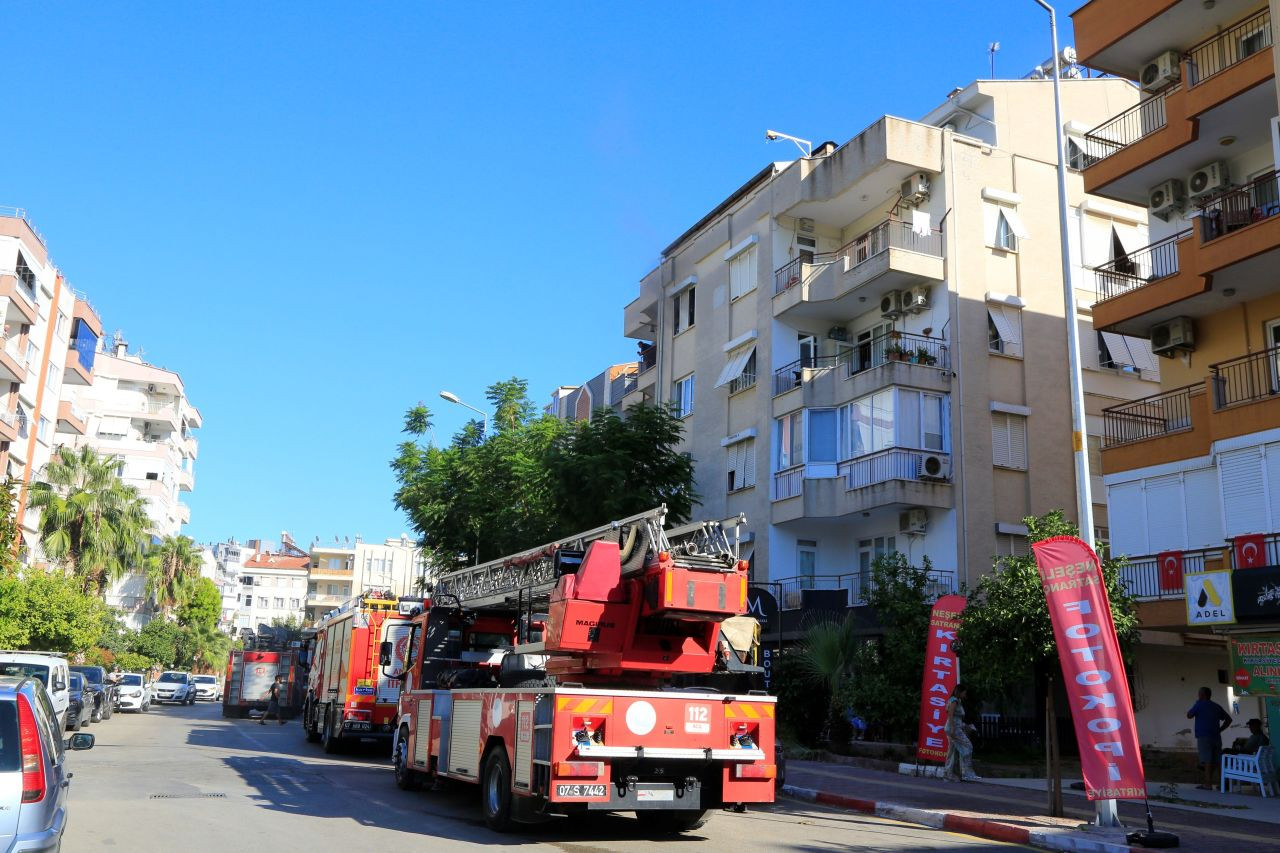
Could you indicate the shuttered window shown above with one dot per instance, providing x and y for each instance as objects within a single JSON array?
[
  {"x": 1166, "y": 527},
  {"x": 1244, "y": 505},
  {"x": 741, "y": 464},
  {"x": 1004, "y": 328},
  {"x": 1126, "y": 515},
  {"x": 1204, "y": 510},
  {"x": 1009, "y": 440},
  {"x": 742, "y": 273}
]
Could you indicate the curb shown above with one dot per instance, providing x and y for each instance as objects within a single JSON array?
[{"x": 1046, "y": 839}]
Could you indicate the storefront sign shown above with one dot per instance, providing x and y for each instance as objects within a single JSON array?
[
  {"x": 1257, "y": 593},
  {"x": 1092, "y": 669},
  {"x": 1209, "y": 598},
  {"x": 941, "y": 672},
  {"x": 764, "y": 607},
  {"x": 1255, "y": 664}
]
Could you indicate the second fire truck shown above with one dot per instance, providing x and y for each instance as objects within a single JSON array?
[{"x": 545, "y": 677}]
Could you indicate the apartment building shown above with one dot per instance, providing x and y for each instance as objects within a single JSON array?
[
  {"x": 273, "y": 587},
  {"x": 606, "y": 390},
  {"x": 1192, "y": 472},
  {"x": 49, "y": 335},
  {"x": 223, "y": 563},
  {"x": 348, "y": 568},
  {"x": 869, "y": 348}
]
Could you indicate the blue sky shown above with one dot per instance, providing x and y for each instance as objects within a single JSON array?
[{"x": 321, "y": 213}]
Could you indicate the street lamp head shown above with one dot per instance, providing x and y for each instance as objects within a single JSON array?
[
  {"x": 771, "y": 135},
  {"x": 450, "y": 396}
]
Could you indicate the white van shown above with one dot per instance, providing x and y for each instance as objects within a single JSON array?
[{"x": 50, "y": 668}]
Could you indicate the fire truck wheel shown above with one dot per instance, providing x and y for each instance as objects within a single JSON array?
[
  {"x": 496, "y": 791},
  {"x": 309, "y": 723},
  {"x": 677, "y": 820},
  {"x": 406, "y": 779},
  {"x": 328, "y": 740}
]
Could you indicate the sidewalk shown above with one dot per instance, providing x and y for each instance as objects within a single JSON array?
[{"x": 1013, "y": 810}]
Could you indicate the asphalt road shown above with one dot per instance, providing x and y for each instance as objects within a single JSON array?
[{"x": 184, "y": 779}]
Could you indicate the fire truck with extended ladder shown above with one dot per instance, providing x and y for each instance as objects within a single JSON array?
[{"x": 545, "y": 677}]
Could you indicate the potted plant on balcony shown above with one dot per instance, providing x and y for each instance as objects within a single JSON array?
[
  {"x": 923, "y": 356},
  {"x": 896, "y": 352}
]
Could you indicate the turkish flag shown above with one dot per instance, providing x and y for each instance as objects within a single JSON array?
[
  {"x": 1170, "y": 563},
  {"x": 1251, "y": 551}
]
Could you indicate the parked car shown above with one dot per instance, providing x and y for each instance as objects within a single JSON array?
[
  {"x": 49, "y": 668},
  {"x": 207, "y": 687},
  {"x": 135, "y": 692},
  {"x": 80, "y": 699},
  {"x": 108, "y": 693},
  {"x": 174, "y": 686},
  {"x": 33, "y": 777}
]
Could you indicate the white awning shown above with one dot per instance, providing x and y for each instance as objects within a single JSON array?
[
  {"x": 1007, "y": 326},
  {"x": 113, "y": 426},
  {"x": 1015, "y": 222},
  {"x": 737, "y": 363},
  {"x": 1130, "y": 352}
]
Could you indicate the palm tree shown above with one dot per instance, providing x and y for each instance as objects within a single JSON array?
[
  {"x": 91, "y": 522},
  {"x": 172, "y": 566},
  {"x": 209, "y": 648}
]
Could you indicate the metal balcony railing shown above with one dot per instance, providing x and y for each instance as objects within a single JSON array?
[
  {"x": 1228, "y": 48},
  {"x": 788, "y": 483},
  {"x": 1139, "y": 267},
  {"x": 890, "y": 234},
  {"x": 897, "y": 346},
  {"x": 894, "y": 463},
  {"x": 621, "y": 386},
  {"x": 857, "y": 587},
  {"x": 1142, "y": 575},
  {"x": 745, "y": 380},
  {"x": 791, "y": 375},
  {"x": 1239, "y": 207},
  {"x": 1246, "y": 379},
  {"x": 1150, "y": 417},
  {"x": 1140, "y": 120}
]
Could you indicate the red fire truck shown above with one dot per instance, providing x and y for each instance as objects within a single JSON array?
[
  {"x": 249, "y": 677},
  {"x": 545, "y": 677},
  {"x": 347, "y": 696}
]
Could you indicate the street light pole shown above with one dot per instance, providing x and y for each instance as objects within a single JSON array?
[
  {"x": 1106, "y": 809},
  {"x": 453, "y": 398}
]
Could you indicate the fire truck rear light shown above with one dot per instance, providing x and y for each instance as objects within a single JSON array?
[
  {"x": 584, "y": 769},
  {"x": 755, "y": 771},
  {"x": 356, "y": 715}
]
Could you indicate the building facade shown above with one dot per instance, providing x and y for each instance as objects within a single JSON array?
[
  {"x": 606, "y": 390},
  {"x": 869, "y": 348},
  {"x": 349, "y": 568},
  {"x": 1192, "y": 471},
  {"x": 273, "y": 588}
]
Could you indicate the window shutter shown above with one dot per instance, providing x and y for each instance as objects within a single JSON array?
[
  {"x": 1008, "y": 322},
  {"x": 1000, "y": 439},
  {"x": 1165, "y": 528},
  {"x": 748, "y": 462},
  {"x": 1244, "y": 508},
  {"x": 1127, "y": 519},
  {"x": 733, "y": 477},
  {"x": 1204, "y": 510},
  {"x": 1017, "y": 441},
  {"x": 742, "y": 274}
]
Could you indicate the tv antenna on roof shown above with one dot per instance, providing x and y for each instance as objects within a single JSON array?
[{"x": 992, "y": 49}]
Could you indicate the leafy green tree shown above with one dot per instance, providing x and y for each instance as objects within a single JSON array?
[
  {"x": 133, "y": 662},
  {"x": 172, "y": 567},
  {"x": 1006, "y": 637},
  {"x": 203, "y": 648},
  {"x": 291, "y": 623},
  {"x": 13, "y": 626},
  {"x": 58, "y": 615},
  {"x": 10, "y": 534},
  {"x": 90, "y": 521},
  {"x": 203, "y": 605},
  {"x": 159, "y": 640}
]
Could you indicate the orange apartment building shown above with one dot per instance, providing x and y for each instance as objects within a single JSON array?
[{"x": 1192, "y": 473}]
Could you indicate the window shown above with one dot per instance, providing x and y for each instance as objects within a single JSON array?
[
  {"x": 823, "y": 441},
  {"x": 152, "y": 475},
  {"x": 747, "y": 378},
  {"x": 1130, "y": 355},
  {"x": 1005, "y": 238},
  {"x": 60, "y": 325},
  {"x": 870, "y": 550},
  {"x": 790, "y": 446},
  {"x": 741, "y": 465},
  {"x": 742, "y": 274},
  {"x": 1004, "y": 227},
  {"x": 1011, "y": 545},
  {"x": 279, "y": 603},
  {"x": 248, "y": 601},
  {"x": 42, "y": 430},
  {"x": 346, "y": 589},
  {"x": 333, "y": 589},
  {"x": 1009, "y": 440},
  {"x": 51, "y": 377},
  {"x": 294, "y": 603},
  {"x": 807, "y": 557},
  {"x": 870, "y": 424},
  {"x": 683, "y": 396},
  {"x": 683, "y": 303},
  {"x": 1004, "y": 329}
]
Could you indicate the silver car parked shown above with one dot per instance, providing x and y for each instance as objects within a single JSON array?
[{"x": 33, "y": 774}]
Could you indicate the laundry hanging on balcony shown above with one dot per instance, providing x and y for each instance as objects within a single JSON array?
[{"x": 736, "y": 365}]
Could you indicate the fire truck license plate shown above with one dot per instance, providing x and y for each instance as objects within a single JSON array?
[{"x": 579, "y": 791}]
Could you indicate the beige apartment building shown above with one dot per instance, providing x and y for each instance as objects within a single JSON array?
[
  {"x": 345, "y": 569},
  {"x": 869, "y": 347}
]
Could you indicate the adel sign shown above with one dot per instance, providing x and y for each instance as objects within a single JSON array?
[{"x": 1209, "y": 598}]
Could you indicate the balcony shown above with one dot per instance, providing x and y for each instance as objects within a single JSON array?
[
  {"x": 22, "y": 299},
  {"x": 1170, "y": 134},
  {"x": 13, "y": 361},
  {"x": 71, "y": 419},
  {"x": 184, "y": 513},
  {"x": 622, "y": 385},
  {"x": 1150, "y": 417},
  {"x": 837, "y": 285},
  {"x": 856, "y": 586},
  {"x": 643, "y": 391},
  {"x": 898, "y": 358},
  {"x": 892, "y": 477},
  {"x": 1141, "y": 576},
  {"x": 186, "y": 480},
  {"x": 317, "y": 599},
  {"x": 81, "y": 353},
  {"x": 640, "y": 318},
  {"x": 9, "y": 429},
  {"x": 86, "y": 314}
]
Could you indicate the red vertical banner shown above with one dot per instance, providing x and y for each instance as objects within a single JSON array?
[
  {"x": 1093, "y": 671},
  {"x": 941, "y": 672},
  {"x": 1251, "y": 551},
  {"x": 1170, "y": 563}
]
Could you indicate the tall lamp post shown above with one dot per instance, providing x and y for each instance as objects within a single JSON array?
[
  {"x": 1106, "y": 809},
  {"x": 453, "y": 398}
]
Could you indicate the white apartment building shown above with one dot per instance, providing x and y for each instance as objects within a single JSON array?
[
  {"x": 272, "y": 586},
  {"x": 349, "y": 568},
  {"x": 227, "y": 559},
  {"x": 869, "y": 347}
]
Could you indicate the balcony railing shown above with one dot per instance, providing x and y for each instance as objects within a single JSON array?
[
  {"x": 857, "y": 586},
  {"x": 1229, "y": 48},
  {"x": 648, "y": 357},
  {"x": 895, "y": 463},
  {"x": 1150, "y": 417},
  {"x": 1140, "y": 120},
  {"x": 788, "y": 483},
  {"x": 621, "y": 386},
  {"x": 1142, "y": 575},
  {"x": 17, "y": 349},
  {"x": 791, "y": 375},
  {"x": 1246, "y": 379},
  {"x": 85, "y": 347},
  {"x": 1139, "y": 268},
  {"x": 791, "y": 273},
  {"x": 746, "y": 379},
  {"x": 890, "y": 234},
  {"x": 897, "y": 346},
  {"x": 1239, "y": 207}
]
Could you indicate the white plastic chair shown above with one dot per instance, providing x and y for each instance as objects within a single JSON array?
[{"x": 1258, "y": 769}]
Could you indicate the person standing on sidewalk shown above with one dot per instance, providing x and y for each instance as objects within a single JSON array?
[
  {"x": 273, "y": 703},
  {"x": 959, "y": 764},
  {"x": 1211, "y": 721}
]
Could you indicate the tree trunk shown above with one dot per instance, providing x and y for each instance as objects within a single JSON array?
[{"x": 1053, "y": 758}]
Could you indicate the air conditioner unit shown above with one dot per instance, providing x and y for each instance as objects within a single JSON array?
[
  {"x": 838, "y": 333},
  {"x": 1209, "y": 178},
  {"x": 151, "y": 389},
  {"x": 1173, "y": 335},
  {"x": 916, "y": 299},
  {"x": 935, "y": 466},
  {"x": 1166, "y": 199},
  {"x": 915, "y": 189},
  {"x": 914, "y": 520},
  {"x": 1161, "y": 71},
  {"x": 891, "y": 304}
]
